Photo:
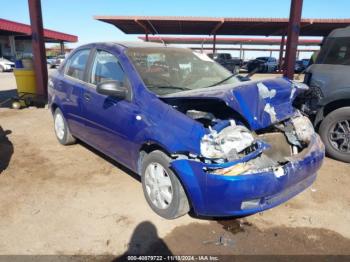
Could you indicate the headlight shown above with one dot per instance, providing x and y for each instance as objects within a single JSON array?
[
  {"x": 303, "y": 128},
  {"x": 227, "y": 143}
]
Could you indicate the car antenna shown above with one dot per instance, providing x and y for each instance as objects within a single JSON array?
[
  {"x": 253, "y": 72},
  {"x": 249, "y": 75},
  {"x": 156, "y": 32}
]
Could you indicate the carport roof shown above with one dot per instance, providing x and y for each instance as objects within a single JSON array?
[
  {"x": 8, "y": 27},
  {"x": 226, "y": 40},
  {"x": 219, "y": 26}
]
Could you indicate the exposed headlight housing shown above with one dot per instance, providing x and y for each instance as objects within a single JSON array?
[
  {"x": 300, "y": 85},
  {"x": 227, "y": 143},
  {"x": 303, "y": 127}
]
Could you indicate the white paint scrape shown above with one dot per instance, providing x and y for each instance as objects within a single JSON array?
[
  {"x": 271, "y": 111},
  {"x": 264, "y": 92},
  {"x": 279, "y": 172}
]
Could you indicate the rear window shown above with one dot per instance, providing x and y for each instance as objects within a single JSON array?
[{"x": 335, "y": 51}]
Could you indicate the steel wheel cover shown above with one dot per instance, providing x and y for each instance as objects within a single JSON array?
[{"x": 158, "y": 185}]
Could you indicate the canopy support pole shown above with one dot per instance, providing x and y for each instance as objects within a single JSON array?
[
  {"x": 240, "y": 51},
  {"x": 12, "y": 42},
  {"x": 280, "y": 61},
  {"x": 62, "y": 48},
  {"x": 293, "y": 37},
  {"x": 38, "y": 45},
  {"x": 214, "y": 44}
]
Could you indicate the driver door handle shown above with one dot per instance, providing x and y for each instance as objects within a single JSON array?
[{"x": 87, "y": 96}]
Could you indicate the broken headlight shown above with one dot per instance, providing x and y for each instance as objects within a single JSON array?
[
  {"x": 226, "y": 143},
  {"x": 303, "y": 127}
]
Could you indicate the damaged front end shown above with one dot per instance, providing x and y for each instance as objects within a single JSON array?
[
  {"x": 241, "y": 170},
  {"x": 237, "y": 151}
]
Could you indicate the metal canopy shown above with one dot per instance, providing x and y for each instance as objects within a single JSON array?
[
  {"x": 219, "y": 26},
  {"x": 23, "y": 31},
  {"x": 226, "y": 40}
]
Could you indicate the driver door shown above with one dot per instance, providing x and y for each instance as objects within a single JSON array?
[{"x": 110, "y": 122}]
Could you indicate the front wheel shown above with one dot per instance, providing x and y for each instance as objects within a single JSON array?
[
  {"x": 162, "y": 189},
  {"x": 335, "y": 133}
]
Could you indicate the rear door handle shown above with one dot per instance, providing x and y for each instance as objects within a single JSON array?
[{"x": 87, "y": 96}]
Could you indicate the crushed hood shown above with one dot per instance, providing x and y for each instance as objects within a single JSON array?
[{"x": 261, "y": 103}]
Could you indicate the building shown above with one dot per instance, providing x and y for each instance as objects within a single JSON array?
[{"x": 15, "y": 39}]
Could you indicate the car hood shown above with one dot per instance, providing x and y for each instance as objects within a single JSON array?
[{"x": 261, "y": 103}]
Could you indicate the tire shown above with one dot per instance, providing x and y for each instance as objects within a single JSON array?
[
  {"x": 2, "y": 69},
  {"x": 62, "y": 132},
  {"x": 178, "y": 205},
  {"x": 326, "y": 129}
]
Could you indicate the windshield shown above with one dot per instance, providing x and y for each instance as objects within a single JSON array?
[
  {"x": 167, "y": 70},
  {"x": 335, "y": 51}
]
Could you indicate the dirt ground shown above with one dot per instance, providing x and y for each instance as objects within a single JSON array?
[{"x": 72, "y": 200}]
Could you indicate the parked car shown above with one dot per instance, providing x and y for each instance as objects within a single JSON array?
[
  {"x": 50, "y": 60},
  {"x": 328, "y": 100},
  {"x": 6, "y": 65},
  {"x": 263, "y": 65},
  {"x": 199, "y": 137},
  {"x": 57, "y": 61},
  {"x": 305, "y": 62},
  {"x": 226, "y": 60},
  {"x": 301, "y": 65}
]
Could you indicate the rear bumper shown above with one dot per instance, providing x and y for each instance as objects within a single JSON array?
[{"x": 217, "y": 195}]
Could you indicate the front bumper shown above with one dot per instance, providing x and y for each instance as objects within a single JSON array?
[{"x": 218, "y": 195}]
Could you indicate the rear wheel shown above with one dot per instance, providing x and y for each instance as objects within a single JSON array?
[
  {"x": 162, "y": 189},
  {"x": 62, "y": 132},
  {"x": 335, "y": 133}
]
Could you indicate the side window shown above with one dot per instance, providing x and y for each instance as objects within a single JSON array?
[
  {"x": 106, "y": 67},
  {"x": 77, "y": 63},
  {"x": 335, "y": 51}
]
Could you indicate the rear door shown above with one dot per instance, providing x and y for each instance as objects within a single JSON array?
[
  {"x": 70, "y": 87},
  {"x": 110, "y": 121}
]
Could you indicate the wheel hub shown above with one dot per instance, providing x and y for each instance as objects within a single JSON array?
[
  {"x": 340, "y": 136},
  {"x": 158, "y": 185}
]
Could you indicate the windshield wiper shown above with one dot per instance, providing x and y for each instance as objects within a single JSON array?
[
  {"x": 171, "y": 87},
  {"x": 222, "y": 81}
]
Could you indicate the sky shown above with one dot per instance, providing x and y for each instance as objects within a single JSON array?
[{"x": 76, "y": 16}]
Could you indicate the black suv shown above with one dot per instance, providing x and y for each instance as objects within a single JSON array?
[{"x": 328, "y": 100}]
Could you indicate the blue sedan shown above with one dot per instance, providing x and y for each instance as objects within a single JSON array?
[{"x": 199, "y": 137}]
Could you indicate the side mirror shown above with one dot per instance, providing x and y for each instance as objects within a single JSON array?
[{"x": 112, "y": 88}]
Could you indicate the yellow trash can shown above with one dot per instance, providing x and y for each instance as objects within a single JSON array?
[
  {"x": 25, "y": 80},
  {"x": 26, "y": 87}
]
